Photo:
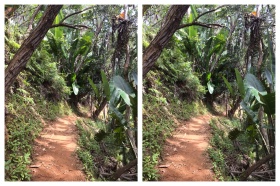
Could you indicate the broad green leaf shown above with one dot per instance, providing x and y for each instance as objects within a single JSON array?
[
  {"x": 269, "y": 103},
  {"x": 75, "y": 88},
  {"x": 120, "y": 83},
  {"x": 208, "y": 76},
  {"x": 58, "y": 31},
  {"x": 135, "y": 78},
  {"x": 210, "y": 87},
  {"x": 193, "y": 8},
  {"x": 240, "y": 83},
  {"x": 268, "y": 76},
  {"x": 94, "y": 87},
  {"x": 105, "y": 84},
  {"x": 125, "y": 97},
  {"x": 255, "y": 92},
  {"x": 192, "y": 29},
  {"x": 253, "y": 82},
  {"x": 116, "y": 114},
  {"x": 115, "y": 94},
  {"x": 228, "y": 86},
  {"x": 253, "y": 115},
  {"x": 206, "y": 50},
  {"x": 73, "y": 78}
]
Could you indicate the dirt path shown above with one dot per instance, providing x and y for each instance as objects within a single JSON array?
[
  {"x": 54, "y": 156},
  {"x": 185, "y": 153}
]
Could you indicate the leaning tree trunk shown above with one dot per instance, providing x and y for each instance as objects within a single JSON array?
[
  {"x": 171, "y": 24},
  {"x": 234, "y": 108},
  {"x": 18, "y": 63}
]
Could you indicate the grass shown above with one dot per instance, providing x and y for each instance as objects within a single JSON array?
[{"x": 24, "y": 122}]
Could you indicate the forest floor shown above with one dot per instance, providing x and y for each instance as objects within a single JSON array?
[
  {"x": 54, "y": 152},
  {"x": 185, "y": 156}
]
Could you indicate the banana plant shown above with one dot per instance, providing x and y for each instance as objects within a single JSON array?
[
  {"x": 120, "y": 94},
  {"x": 254, "y": 100},
  {"x": 204, "y": 47}
]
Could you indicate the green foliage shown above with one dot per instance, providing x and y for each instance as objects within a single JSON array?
[
  {"x": 174, "y": 68},
  {"x": 105, "y": 84},
  {"x": 149, "y": 171},
  {"x": 221, "y": 146},
  {"x": 240, "y": 83},
  {"x": 23, "y": 124},
  {"x": 44, "y": 75},
  {"x": 92, "y": 136},
  {"x": 88, "y": 163},
  {"x": 229, "y": 87},
  {"x": 94, "y": 87}
]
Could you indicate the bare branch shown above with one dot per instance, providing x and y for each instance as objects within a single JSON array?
[
  {"x": 210, "y": 25},
  {"x": 207, "y": 12},
  {"x": 120, "y": 171},
  {"x": 69, "y": 26},
  {"x": 75, "y": 13},
  {"x": 247, "y": 172},
  {"x": 32, "y": 18}
]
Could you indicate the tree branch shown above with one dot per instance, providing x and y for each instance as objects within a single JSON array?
[
  {"x": 120, "y": 171},
  {"x": 247, "y": 172},
  {"x": 74, "y": 14},
  {"x": 32, "y": 18},
  {"x": 207, "y": 12},
  {"x": 210, "y": 25},
  {"x": 69, "y": 26}
]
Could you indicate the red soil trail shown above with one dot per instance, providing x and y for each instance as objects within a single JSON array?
[
  {"x": 54, "y": 157},
  {"x": 185, "y": 153}
]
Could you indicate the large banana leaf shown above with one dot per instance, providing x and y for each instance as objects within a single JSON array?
[
  {"x": 120, "y": 83},
  {"x": 240, "y": 83},
  {"x": 269, "y": 103},
  {"x": 228, "y": 86},
  {"x": 252, "y": 115},
  {"x": 192, "y": 29},
  {"x": 94, "y": 87},
  {"x": 255, "y": 86},
  {"x": 105, "y": 84}
]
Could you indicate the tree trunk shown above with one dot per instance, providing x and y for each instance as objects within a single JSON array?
[
  {"x": 234, "y": 108},
  {"x": 100, "y": 108},
  {"x": 171, "y": 24},
  {"x": 247, "y": 173},
  {"x": 18, "y": 63},
  {"x": 120, "y": 171}
]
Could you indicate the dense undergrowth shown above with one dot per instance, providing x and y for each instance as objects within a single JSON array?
[
  {"x": 100, "y": 152},
  {"x": 231, "y": 154},
  {"x": 31, "y": 101},
  {"x": 25, "y": 117}
]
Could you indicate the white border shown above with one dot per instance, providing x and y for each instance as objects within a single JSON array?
[{"x": 139, "y": 2}]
